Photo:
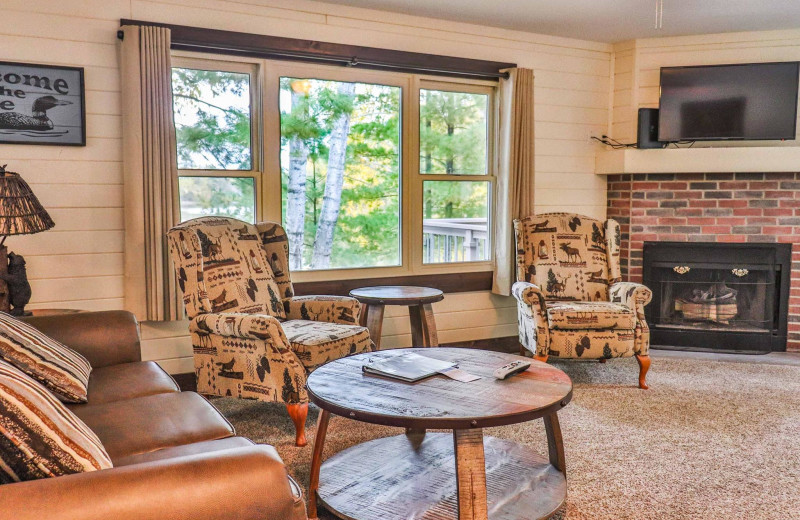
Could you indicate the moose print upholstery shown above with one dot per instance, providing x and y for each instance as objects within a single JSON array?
[
  {"x": 252, "y": 337},
  {"x": 570, "y": 298}
]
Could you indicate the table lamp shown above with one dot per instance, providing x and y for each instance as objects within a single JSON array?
[{"x": 21, "y": 213}]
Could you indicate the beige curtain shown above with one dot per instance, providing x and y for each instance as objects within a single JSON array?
[
  {"x": 514, "y": 193},
  {"x": 150, "y": 173}
]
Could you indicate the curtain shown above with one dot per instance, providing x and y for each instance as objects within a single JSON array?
[
  {"x": 514, "y": 193},
  {"x": 150, "y": 173}
]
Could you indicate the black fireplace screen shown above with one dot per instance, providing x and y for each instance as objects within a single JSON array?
[{"x": 720, "y": 296}]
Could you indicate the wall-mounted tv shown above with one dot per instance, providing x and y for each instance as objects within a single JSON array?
[{"x": 745, "y": 101}]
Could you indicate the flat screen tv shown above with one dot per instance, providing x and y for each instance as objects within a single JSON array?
[{"x": 719, "y": 102}]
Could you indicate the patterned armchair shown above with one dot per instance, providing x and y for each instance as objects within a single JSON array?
[
  {"x": 252, "y": 337},
  {"x": 570, "y": 300}
]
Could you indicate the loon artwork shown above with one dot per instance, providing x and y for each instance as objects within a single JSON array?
[
  {"x": 42, "y": 104},
  {"x": 38, "y": 119}
]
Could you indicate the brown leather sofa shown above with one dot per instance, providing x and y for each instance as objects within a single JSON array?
[{"x": 175, "y": 456}]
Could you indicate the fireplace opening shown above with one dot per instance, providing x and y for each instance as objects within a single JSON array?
[{"x": 718, "y": 296}]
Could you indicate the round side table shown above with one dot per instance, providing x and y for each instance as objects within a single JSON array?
[{"x": 420, "y": 311}]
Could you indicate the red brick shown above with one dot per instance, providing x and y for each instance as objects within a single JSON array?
[
  {"x": 779, "y": 194},
  {"x": 738, "y": 203},
  {"x": 748, "y": 212},
  {"x": 731, "y": 221},
  {"x": 638, "y": 186},
  {"x": 789, "y": 203},
  {"x": 671, "y": 221},
  {"x": 776, "y": 230},
  {"x": 733, "y": 185},
  {"x": 673, "y": 237},
  {"x": 703, "y": 203},
  {"x": 763, "y": 185},
  {"x": 639, "y": 203},
  {"x": 716, "y": 230},
  {"x": 674, "y": 185},
  {"x": 701, "y": 221},
  {"x": 778, "y": 212},
  {"x": 621, "y": 203},
  {"x": 689, "y": 212},
  {"x": 732, "y": 238}
]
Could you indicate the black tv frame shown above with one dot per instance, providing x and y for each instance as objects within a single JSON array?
[{"x": 692, "y": 139}]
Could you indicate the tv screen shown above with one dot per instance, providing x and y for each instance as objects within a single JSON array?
[{"x": 747, "y": 101}]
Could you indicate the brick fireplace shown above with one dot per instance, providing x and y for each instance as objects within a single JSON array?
[{"x": 709, "y": 207}]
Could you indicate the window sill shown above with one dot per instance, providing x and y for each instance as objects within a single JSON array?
[{"x": 448, "y": 283}]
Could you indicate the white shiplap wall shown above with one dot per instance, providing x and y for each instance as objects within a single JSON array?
[{"x": 79, "y": 263}]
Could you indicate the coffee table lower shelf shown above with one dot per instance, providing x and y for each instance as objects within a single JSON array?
[{"x": 414, "y": 476}]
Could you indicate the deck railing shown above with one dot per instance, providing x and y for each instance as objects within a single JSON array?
[{"x": 455, "y": 240}]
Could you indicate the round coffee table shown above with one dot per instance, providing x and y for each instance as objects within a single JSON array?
[
  {"x": 426, "y": 475},
  {"x": 420, "y": 311}
]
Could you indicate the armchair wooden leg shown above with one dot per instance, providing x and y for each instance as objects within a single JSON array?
[
  {"x": 537, "y": 357},
  {"x": 602, "y": 360},
  {"x": 298, "y": 413},
  {"x": 644, "y": 366}
]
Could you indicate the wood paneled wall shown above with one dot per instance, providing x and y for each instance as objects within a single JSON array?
[{"x": 78, "y": 264}]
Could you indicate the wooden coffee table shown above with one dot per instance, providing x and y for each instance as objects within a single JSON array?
[
  {"x": 437, "y": 476},
  {"x": 420, "y": 311}
]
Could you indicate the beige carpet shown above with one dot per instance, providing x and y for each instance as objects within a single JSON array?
[{"x": 708, "y": 440}]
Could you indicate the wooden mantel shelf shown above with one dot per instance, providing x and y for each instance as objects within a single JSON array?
[{"x": 694, "y": 160}]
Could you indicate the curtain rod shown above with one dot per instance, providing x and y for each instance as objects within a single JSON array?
[{"x": 272, "y": 47}]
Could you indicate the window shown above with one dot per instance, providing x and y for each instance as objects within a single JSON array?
[
  {"x": 454, "y": 149},
  {"x": 365, "y": 169},
  {"x": 340, "y": 173},
  {"x": 213, "y": 126}
]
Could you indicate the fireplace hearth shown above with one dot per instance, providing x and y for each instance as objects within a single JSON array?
[{"x": 718, "y": 296}]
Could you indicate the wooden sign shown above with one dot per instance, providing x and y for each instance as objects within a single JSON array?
[{"x": 42, "y": 104}]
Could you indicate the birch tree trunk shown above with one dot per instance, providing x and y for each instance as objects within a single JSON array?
[
  {"x": 332, "y": 200},
  {"x": 296, "y": 198}
]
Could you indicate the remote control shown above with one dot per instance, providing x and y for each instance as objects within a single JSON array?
[{"x": 515, "y": 367}]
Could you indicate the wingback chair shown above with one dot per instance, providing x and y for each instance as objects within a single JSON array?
[
  {"x": 570, "y": 300},
  {"x": 252, "y": 337}
]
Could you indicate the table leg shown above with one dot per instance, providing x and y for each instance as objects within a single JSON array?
[
  {"x": 470, "y": 474},
  {"x": 372, "y": 318},
  {"x": 555, "y": 445},
  {"x": 316, "y": 462},
  {"x": 423, "y": 326}
]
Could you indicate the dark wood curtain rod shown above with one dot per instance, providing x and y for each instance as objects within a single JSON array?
[{"x": 279, "y": 48}]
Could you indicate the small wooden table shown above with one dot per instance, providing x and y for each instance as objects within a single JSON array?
[
  {"x": 420, "y": 311},
  {"x": 438, "y": 475}
]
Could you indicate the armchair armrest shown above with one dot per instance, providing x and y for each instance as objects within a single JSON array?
[
  {"x": 239, "y": 325},
  {"x": 333, "y": 309},
  {"x": 248, "y": 483},
  {"x": 534, "y": 331},
  {"x": 633, "y": 295},
  {"x": 104, "y": 338}
]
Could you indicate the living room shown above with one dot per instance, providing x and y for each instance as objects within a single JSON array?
[{"x": 179, "y": 109}]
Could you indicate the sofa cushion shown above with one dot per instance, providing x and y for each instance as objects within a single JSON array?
[
  {"x": 316, "y": 342},
  {"x": 39, "y": 436},
  {"x": 154, "y": 422},
  {"x": 186, "y": 450},
  {"x": 127, "y": 381},
  {"x": 566, "y": 315},
  {"x": 58, "y": 367}
]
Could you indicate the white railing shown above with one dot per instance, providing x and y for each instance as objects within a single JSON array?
[{"x": 455, "y": 240}]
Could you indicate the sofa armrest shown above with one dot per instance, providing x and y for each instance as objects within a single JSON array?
[
  {"x": 104, "y": 338},
  {"x": 240, "y": 325},
  {"x": 248, "y": 483},
  {"x": 332, "y": 309}
]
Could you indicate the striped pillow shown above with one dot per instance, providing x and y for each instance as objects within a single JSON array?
[
  {"x": 39, "y": 436},
  {"x": 58, "y": 367}
]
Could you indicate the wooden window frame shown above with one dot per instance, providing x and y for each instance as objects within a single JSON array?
[{"x": 266, "y": 144}]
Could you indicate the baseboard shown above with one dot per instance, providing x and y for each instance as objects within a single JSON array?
[{"x": 508, "y": 344}]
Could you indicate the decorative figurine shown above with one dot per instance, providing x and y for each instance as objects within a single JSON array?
[{"x": 19, "y": 290}]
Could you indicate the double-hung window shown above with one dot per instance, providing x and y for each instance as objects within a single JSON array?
[{"x": 383, "y": 171}]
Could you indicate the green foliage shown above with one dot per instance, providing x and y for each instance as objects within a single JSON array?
[
  {"x": 228, "y": 196},
  {"x": 212, "y": 119},
  {"x": 452, "y": 132}
]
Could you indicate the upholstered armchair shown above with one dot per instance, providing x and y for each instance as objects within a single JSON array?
[
  {"x": 570, "y": 300},
  {"x": 252, "y": 337}
]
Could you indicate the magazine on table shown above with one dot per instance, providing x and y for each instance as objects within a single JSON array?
[{"x": 409, "y": 367}]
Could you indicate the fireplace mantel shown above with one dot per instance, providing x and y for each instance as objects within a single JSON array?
[{"x": 692, "y": 160}]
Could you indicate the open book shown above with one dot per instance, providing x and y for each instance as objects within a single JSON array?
[{"x": 409, "y": 367}]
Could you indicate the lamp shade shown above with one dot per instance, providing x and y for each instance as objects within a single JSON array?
[{"x": 21, "y": 213}]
